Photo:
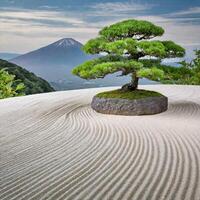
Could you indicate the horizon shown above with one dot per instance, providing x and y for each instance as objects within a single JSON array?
[{"x": 22, "y": 22}]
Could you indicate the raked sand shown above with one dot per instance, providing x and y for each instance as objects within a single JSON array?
[{"x": 54, "y": 146}]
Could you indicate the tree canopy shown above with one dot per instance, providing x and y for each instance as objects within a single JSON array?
[
  {"x": 137, "y": 29},
  {"x": 122, "y": 46}
]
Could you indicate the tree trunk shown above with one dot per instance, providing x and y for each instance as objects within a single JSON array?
[{"x": 133, "y": 85}]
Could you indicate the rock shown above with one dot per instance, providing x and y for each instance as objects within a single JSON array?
[{"x": 144, "y": 106}]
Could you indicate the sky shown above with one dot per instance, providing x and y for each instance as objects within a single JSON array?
[{"x": 26, "y": 25}]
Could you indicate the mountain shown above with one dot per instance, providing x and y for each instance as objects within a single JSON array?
[
  {"x": 8, "y": 56},
  {"x": 55, "y": 61},
  {"x": 32, "y": 83}
]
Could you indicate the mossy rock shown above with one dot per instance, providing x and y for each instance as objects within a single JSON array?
[{"x": 139, "y": 102}]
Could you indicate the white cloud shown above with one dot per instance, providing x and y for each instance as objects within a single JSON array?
[
  {"x": 118, "y": 8},
  {"x": 25, "y": 14},
  {"x": 190, "y": 11},
  {"x": 24, "y": 30},
  {"x": 20, "y": 35},
  {"x": 48, "y": 7},
  {"x": 121, "y": 7}
]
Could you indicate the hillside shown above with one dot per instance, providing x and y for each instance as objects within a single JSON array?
[{"x": 32, "y": 83}]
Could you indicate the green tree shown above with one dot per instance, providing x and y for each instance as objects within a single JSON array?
[
  {"x": 123, "y": 45},
  {"x": 186, "y": 73},
  {"x": 9, "y": 87},
  {"x": 193, "y": 70}
]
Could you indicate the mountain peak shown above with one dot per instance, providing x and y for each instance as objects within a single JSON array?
[{"x": 66, "y": 42}]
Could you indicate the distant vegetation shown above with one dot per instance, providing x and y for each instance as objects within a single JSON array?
[
  {"x": 186, "y": 73},
  {"x": 32, "y": 83},
  {"x": 191, "y": 71},
  {"x": 9, "y": 86}
]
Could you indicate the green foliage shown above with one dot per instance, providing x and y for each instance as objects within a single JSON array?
[
  {"x": 196, "y": 62},
  {"x": 94, "y": 46},
  {"x": 33, "y": 84},
  {"x": 131, "y": 29},
  {"x": 152, "y": 48},
  {"x": 150, "y": 62},
  {"x": 9, "y": 86},
  {"x": 125, "y": 44},
  {"x": 98, "y": 68},
  {"x": 134, "y": 48},
  {"x": 121, "y": 47},
  {"x": 173, "y": 50},
  {"x": 153, "y": 73},
  {"x": 187, "y": 73},
  {"x": 121, "y": 94},
  {"x": 129, "y": 38}
]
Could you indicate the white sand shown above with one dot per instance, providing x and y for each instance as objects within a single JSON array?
[{"x": 54, "y": 146}]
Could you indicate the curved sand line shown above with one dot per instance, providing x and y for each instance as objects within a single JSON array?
[{"x": 54, "y": 146}]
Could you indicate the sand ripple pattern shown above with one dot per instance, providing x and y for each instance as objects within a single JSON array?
[{"x": 54, "y": 146}]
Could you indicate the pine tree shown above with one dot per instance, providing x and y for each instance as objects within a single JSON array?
[{"x": 122, "y": 47}]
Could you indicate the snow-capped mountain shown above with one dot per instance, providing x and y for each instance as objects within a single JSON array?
[
  {"x": 66, "y": 42},
  {"x": 55, "y": 61}
]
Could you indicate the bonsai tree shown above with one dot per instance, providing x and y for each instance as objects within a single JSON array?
[
  {"x": 122, "y": 47},
  {"x": 9, "y": 87},
  {"x": 127, "y": 47}
]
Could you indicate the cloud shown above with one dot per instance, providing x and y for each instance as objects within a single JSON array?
[
  {"x": 121, "y": 7},
  {"x": 190, "y": 11},
  {"x": 41, "y": 15},
  {"x": 118, "y": 8},
  {"x": 39, "y": 30},
  {"x": 48, "y": 7},
  {"x": 20, "y": 27}
]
